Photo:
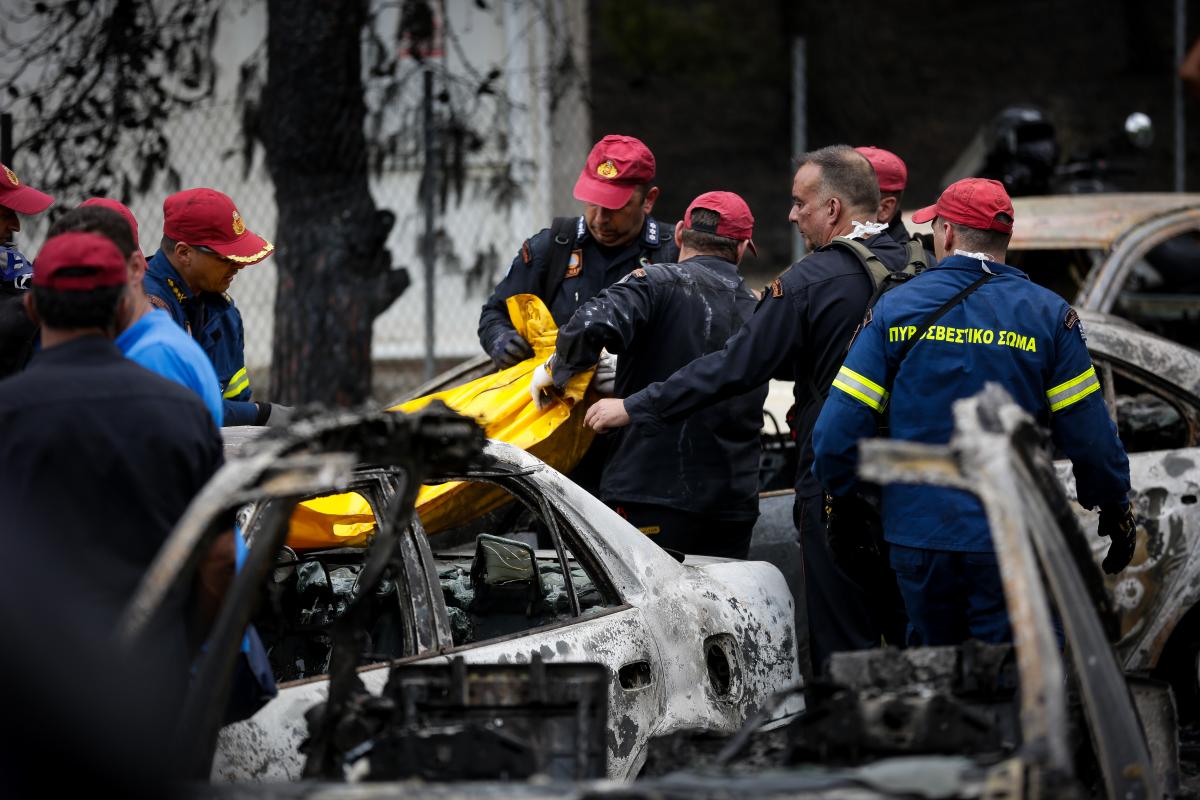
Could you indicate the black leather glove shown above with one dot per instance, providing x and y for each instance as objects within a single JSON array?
[
  {"x": 1119, "y": 526},
  {"x": 509, "y": 349}
]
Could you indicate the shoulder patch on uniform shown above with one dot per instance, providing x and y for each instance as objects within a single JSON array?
[
  {"x": 526, "y": 254},
  {"x": 640, "y": 272},
  {"x": 157, "y": 302},
  {"x": 1073, "y": 322},
  {"x": 776, "y": 288}
]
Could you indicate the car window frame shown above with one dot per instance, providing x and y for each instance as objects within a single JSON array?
[{"x": 1103, "y": 285}]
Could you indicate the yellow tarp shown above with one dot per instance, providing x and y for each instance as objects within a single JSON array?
[
  {"x": 338, "y": 520},
  {"x": 500, "y": 403}
]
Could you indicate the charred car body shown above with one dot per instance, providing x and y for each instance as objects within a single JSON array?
[
  {"x": 683, "y": 645},
  {"x": 1028, "y": 720}
]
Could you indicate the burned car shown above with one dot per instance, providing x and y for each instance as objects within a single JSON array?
[
  {"x": 1028, "y": 720},
  {"x": 683, "y": 644},
  {"x": 1131, "y": 255}
]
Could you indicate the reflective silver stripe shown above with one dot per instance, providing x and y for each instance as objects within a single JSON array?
[
  {"x": 861, "y": 388},
  {"x": 1073, "y": 390}
]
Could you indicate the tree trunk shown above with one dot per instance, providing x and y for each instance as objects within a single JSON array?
[{"x": 334, "y": 273}]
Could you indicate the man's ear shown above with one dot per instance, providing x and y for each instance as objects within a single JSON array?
[
  {"x": 679, "y": 234},
  {"x": 742, "y": 247},
  {"x": 948, "y": 238},
  {"x": 887, "y": 209},
  {"x": 31, "y": 308},
  {"x": 183, "y": 253},
  {"x": 835, "y": 209},
  {"x": 136, "y": 265},
  {"x": 648, "y": 200}
]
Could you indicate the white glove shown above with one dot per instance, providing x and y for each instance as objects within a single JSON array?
[
  {"x": 538, "y": 385},
  {"x": 605, "y": 378}
]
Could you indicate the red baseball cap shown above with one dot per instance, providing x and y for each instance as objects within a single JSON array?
[
  {"x": 19, "y": 197},
  {"x": 117, "y": 206},
  {"x": 734, "y": 218},
  {"x": 208, "y": 218},
  {"x": 974, "y": 202},
  {"x": 616, "y": 165},
  {"x": 889, "y": 168},
  {"x": 77, "y": 262}
]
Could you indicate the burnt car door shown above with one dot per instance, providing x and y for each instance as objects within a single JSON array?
[{"x": 505, "y": 599}]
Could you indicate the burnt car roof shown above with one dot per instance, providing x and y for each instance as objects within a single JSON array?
[{"x": 1097, "y": 221}]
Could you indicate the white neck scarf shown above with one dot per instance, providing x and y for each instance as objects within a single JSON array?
[
  {"x": 863, "y": 230},
  {"x": 982, "y": 257}
]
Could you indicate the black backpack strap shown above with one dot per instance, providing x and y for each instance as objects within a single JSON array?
[
  {"x": 562, "y": 242},
  {"x": 927, "y": 323}
]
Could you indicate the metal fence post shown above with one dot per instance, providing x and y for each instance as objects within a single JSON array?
[
  {"x": 428, "y": 199},
  {"x": 1180, "y": 111}
]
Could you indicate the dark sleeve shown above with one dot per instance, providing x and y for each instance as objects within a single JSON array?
[
  {"x": 750, "y": 358},
  {"x": 523, "y": 276},
  {"x": 857, "y": 400},
  {"x": 610, "y": 320},
  {"x": 239, "y": 412},
  {"x": 1080, "y": 424}
]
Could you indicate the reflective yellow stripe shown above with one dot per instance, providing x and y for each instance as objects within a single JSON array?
[
  {"x": 237, "y": 384},
  {"x": 1074, "y": 390},
  {"x": 861, "y": 388}
]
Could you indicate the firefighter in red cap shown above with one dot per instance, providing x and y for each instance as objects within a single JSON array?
[
  {"x": 940, "y": 337},
  {"x": 692, "y": 486},
  {"x": 17, "y": 332},
  {"x": 892, "y": 175},
  {"x": 205, "y": 244},
  {"x": 569, "y": 263}
]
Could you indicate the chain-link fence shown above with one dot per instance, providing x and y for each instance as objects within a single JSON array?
[{"x": 528, "y": 142}]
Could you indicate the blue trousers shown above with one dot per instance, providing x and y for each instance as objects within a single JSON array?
[{"x": 950, "y": 596}]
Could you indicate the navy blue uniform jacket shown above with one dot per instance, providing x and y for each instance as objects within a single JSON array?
[
  {"x": 657, "y": 319},
  {"x": 1010, "y": 331},
  {"x": 799, "y": 332},
  {"x": 592, "y": 268},
  {"x": 216, "y": 324}
]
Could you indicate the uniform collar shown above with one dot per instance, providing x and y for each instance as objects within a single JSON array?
[
  {"x": 963, "y": 262},
  {"x": 653, "y": 233},
  {"x": 161, "y": 266}
]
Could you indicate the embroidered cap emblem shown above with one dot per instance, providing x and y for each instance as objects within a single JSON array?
[
  {"x": 239, "y": 227},
  {"x": 607, "y": 170}
]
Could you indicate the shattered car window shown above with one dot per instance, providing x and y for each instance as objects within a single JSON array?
[
  {"x": 1061, "y": 271},
  {"x": 508, "y": 579},
  {"x": 307, "y": 591},
  {"x": 1147, "y": 417}
]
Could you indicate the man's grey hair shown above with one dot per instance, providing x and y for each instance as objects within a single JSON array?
[{"x": 847, "y": 175}]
